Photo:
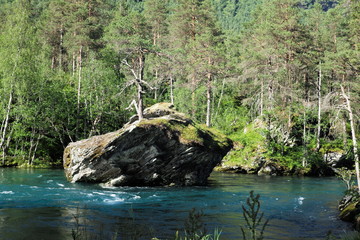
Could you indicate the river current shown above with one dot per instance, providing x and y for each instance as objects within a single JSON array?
[{"x": 41, "y": 204}]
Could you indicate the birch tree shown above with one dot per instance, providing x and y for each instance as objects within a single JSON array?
[{"x": 348, "y": 108}]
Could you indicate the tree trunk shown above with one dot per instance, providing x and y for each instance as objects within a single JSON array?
[
  {"x": 171, "y": 90},
  {"x": 319, "y": 110},
  {"x": 61, "y": 47},
  {"x": 270, "y": 94},
  {"x": 304, "y": 161},
  {"x": 140, "y": 104},
  {"x": 220, "y": 98},
  {"x": 58, "y": 133},
  {"x": 353, "y": 135},
  {"x": 35, "y": 149},
  {"x": 73, "y": 64},
  {"x": 193, "y": 97},
  {"x": 53, "y": 63},
  {"x": 208, "y": 96},
  {"x": 5, "y": 125},
  {"x": 262, "y": 97},
  {"x": 32, "y": 145},
  {"x": 208, "y": 101},
  {"x": 344, "y": 134},
  {"x": 78, "y": 92},
  {"x": 140, "y": 97}
]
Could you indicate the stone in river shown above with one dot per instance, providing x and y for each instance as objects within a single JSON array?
[{"x": 164, "y": 148}]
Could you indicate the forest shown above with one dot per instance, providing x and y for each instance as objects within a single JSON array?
[{"x": 279, "y": 77}]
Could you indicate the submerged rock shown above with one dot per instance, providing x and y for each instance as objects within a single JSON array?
[{"x": 165, "y": 148}]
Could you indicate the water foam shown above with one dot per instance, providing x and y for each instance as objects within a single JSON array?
[
  {"x": 7, "y": 192},
  {"x": 115, "y": 200}
]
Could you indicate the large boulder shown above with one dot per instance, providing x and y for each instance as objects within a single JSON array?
[
  {"x": 349, "y": 208},
  {"x": 164, "y": 148}
]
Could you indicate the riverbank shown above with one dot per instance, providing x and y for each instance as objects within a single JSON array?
[
  {"x": 260, "y": 162},
  {"x": 273, "y": 168},
  {"x": 13, "y": 162},
  {"x": 349, "y": 208}
]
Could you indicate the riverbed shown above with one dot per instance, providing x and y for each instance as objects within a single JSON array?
[{"x": 41, "y": 204}]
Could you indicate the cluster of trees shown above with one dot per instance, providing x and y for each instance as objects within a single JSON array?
[{"x": 70, "y": 69}]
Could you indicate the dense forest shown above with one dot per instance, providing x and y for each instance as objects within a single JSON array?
[{"x": 279, "y": 77}]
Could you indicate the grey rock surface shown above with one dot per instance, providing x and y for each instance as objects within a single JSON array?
[{"x": 165, "y": 148}]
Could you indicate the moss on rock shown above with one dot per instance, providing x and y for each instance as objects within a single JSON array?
[{"x": 164, "y": 148}]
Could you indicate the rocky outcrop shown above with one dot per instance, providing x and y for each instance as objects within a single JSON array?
[
  {"x": 271, "y": 168},
  {"x": 349, "y": 208},
  {"x": 165, "y": 148}
]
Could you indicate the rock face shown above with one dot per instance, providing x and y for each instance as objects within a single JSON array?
[
  {"x": 165, "y": 148},
  {"x": 270, "y": 168},
  {"x": 349, "y": 208}
]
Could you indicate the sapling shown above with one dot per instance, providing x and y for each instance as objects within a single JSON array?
[
  {"x": 253, "y": 219},
  {"x": 346, "y": 175}
]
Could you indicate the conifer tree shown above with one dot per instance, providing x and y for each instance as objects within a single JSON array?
[{"x": 129, "y": 35}]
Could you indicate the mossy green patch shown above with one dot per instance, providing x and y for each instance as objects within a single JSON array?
[
  {"x": 249, "y": 145},
  {"x": 189, "y": 132},
  {"x": 350, "y": 212},
  {"x": 186, "y": 132},
  {"x": 154, "y": 122},
  {"x": 221, "y": 139}
]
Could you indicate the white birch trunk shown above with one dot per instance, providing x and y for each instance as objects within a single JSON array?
[
  {"x": 319, "y": 110},
  {"x": 208, "y": 102},
  {"x": 171, "y": 90},
  {"x": 353, "y": 135},
  {"x": 6, "y": 121},
  {"x": 79, "y": 65},
  {"x": 262, "y": 97}
]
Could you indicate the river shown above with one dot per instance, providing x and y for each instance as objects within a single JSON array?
[{"x": 41, "y": 204}]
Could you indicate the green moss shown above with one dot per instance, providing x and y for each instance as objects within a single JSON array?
[
  {"x": 67, "y": 160},
  {"x": 155, "y": 121},
  {"x": 350, "y": 212},
  {"x": 189, "y": 132},
  {"x": 221, "y": 139}
]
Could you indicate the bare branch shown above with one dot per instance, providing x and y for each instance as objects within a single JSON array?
[{"x": 133, "y": 103}]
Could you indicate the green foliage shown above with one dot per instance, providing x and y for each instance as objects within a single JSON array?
[
  {"x": 355, "y": 235},
  {"x": 250, "y": 144},
  {"x": 255, "y": 226},
  {"x": 229, "y": 117},
  {"x": 351, "y": 236},
  {"x": 346, "y": 175},
  {"x": 194, "y": 228},
  {"x": 227, "y": 63}
]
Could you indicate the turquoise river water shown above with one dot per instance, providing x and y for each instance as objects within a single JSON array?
[{"x": 41, "y": 204}]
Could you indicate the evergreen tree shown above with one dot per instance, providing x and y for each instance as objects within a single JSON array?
[{"x": 129, "y": 35}]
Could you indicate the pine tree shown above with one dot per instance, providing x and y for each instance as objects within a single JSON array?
[
  {"x": 209, "y": 50},
  {"x": 159, "y": 64},
  {"x": 129, "y": 35},
  {"x": 194, "y": 42}
]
